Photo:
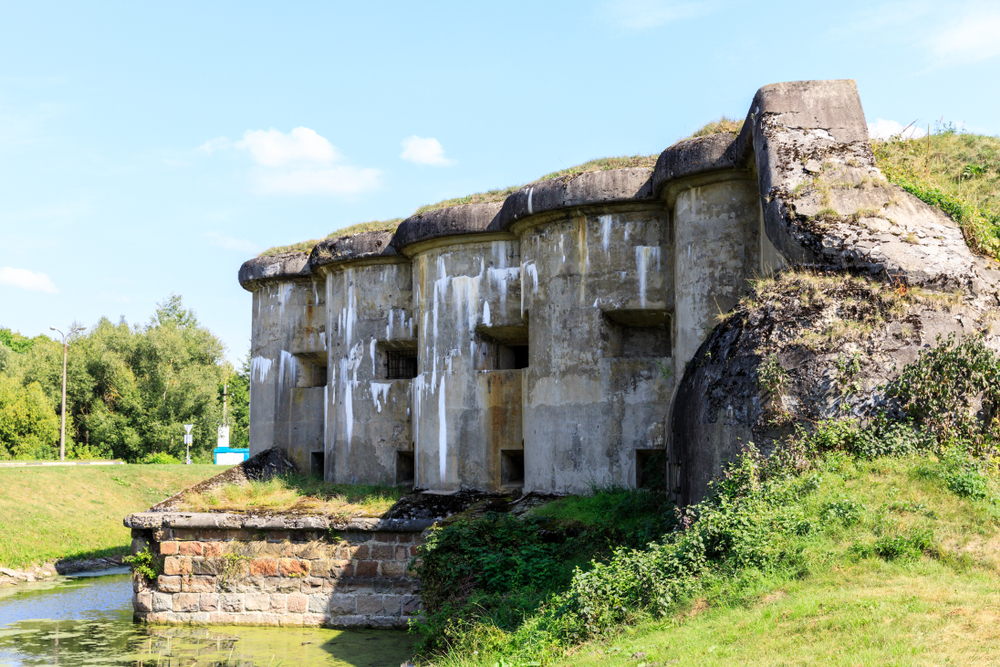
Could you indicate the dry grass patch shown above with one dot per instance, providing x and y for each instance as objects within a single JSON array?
[{"x": 296, "y": 494}]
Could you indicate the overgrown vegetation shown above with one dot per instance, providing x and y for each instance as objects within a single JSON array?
[
  {"x": 912, "y": 490},
  {"x": 51, "y": 513},
  {"x": 723, "y": 125},
  {"x": 145, "y": 563},
  {"x": 307, "y": 246},
  {"x": 958, "y": 172},
  {"x": 130, "y": 388},
  {"x": 296, "y": 493},
  {"x": 496, "y": 570}
]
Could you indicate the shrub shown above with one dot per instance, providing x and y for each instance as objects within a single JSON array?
[{"x": 159, "y": 458}]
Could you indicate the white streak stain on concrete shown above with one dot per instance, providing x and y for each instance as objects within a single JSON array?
[
  {"x": 442, "y": 432},
  {"x": 643, "y": 256},
  {"x": 380, "y": 393},
  {"x": 605, "y": 232},
  {"x": 259, "y": 368}
]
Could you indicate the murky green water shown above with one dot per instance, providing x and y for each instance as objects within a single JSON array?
[{"x": 88, "y": 621}]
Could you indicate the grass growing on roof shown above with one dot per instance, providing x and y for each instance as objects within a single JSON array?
[
  {"x": 307, "y": 246},
  {"x": 299, "y": 494},
  {"x": 600, "y": 164},
  {"x": 723, "y": 125},
  {"x": 956, "y": 171}
]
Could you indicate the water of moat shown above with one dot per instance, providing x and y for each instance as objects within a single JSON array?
[{"x": 87, "y": 620}]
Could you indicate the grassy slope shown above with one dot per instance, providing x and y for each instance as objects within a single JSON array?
[
  {"x": 960, "y": 173},
  {"x": 844, "y": 606},
  {"x": 51, "y": 513}
]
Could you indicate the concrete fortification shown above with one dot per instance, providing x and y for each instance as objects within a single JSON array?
[{"x": 551, "y": 341}]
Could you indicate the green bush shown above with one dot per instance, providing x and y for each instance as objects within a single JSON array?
[{"x": 159, "y": 458}]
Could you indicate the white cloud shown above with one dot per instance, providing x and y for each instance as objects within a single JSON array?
[
  {"x": 424, "y": 151},
  {"x": 35, "y": 281},
  {"x": 273, "y": 148},
  {"x": 883, "y": 129},
  {"x": 216, "y": 144},
  {"x": 645, "y": 14},
  {"x": 340, "y": 180},
  {"x": 971, "y": 38},
  {"x": 231, "y": 243},
  {"x": 299, "y": 162}
]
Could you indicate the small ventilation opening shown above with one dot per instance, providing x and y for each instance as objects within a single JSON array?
[
  {"x": 512, "y": 467},
  {"x": 638, "y": 333},
  {"x": 404, "y": 468},
  {"x": 311, "y": 370},
  {"x": 502, "y": 348},
  {"x": 317, "y": 464},
  {"x": 400, "y": 364},
  {"x": 651, "y": 469}
]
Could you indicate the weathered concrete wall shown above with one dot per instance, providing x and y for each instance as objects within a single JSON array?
[
  {"x": 718, "y": 250},
  {"x": 368, "y": 413},
  {"x": 597, "y": 293},
  {"x": 466, "y": 297},
  {"x": 236, "y": 570},
  {"x": 287, "y": 346}
]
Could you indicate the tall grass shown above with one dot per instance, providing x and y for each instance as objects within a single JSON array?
[{"x": 955, "y": 171}]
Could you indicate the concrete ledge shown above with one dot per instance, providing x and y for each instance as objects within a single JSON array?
[
  {"x": 595, "y": 187},
  {"x": 451, "y": 221},
  {"x": 347, "y": 248},
  {"x": 221, "y": 520},
  {"x": 287, "y": 266},
  {"x": 693, "y": 157}
]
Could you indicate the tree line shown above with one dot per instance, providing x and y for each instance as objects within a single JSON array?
[{"x": 129, "y": 390}]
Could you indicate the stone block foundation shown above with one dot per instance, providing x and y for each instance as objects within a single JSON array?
[{"x": 234, "y": 570}]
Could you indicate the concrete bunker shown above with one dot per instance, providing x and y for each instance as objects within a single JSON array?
[{"x": 538, "y": 342}]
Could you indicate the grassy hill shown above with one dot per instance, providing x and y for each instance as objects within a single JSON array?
[
  {"x": 955, "y": 171},
  {"x": 883, "y": 561},
  {"x": 72, "y": 512},
  {"x": 896, "y": 568}
]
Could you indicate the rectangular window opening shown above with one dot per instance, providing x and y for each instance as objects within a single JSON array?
[
  {"x": 512, "y": 467},
  {"x": 638, "y": 333},
  {"x": 317, "y": 464},
  {"x": 310, "y": 370},
  {"x": 404, "y": 468},
  {"x": 651, "y": 469},
  {"x": 502, "y": 348},
  {"x": 400, "y": 364}
]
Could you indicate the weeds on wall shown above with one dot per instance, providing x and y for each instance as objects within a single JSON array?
[{"x": 145, "y": 564}]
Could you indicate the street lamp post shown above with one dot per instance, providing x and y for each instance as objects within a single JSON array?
[{"x": 62, "y": 432}]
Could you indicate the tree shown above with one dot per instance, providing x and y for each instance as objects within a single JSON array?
[
  {"x": 130, "y": 388},
  {"x": 239, "y": 406},
  {"x": 29, "y": 427}
]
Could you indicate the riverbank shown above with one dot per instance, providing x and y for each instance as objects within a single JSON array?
[{"x": 63, "y": 516}]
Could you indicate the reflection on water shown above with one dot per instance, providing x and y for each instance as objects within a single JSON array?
[{"x": 88, "y": 621}]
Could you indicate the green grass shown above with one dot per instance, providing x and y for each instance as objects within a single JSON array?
[
  {"x": 957, "y": 172},
  {"x": 72, "y": 512},
  {"x": 723, "y": 125},
  {"x": 307, "y": 246},
  {"x": 297, "y": 494},
  {"x": 883, "y": 563},
  {"x": 617, "y": 509}
]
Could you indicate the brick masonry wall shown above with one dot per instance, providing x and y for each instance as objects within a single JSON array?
[{"x": 221, "y": 576}]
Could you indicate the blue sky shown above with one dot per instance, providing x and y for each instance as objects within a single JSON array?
[{"x": 149, "y": 149}]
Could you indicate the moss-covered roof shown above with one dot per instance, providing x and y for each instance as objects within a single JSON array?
[
  {"x": 601, "y": 164},
  {"x": 307, "y": 246}
]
